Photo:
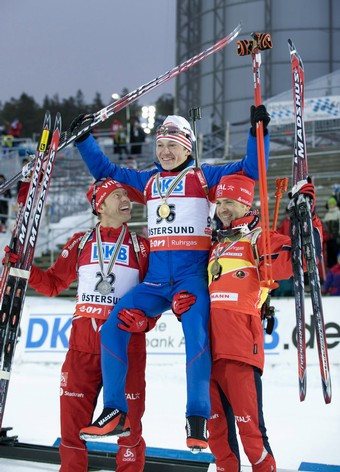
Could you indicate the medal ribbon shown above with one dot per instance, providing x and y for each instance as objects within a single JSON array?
[
  {"x": 173, "y": 185},
  {"x": 114, "y": 253},
  {"x": 219, "y": 254}
]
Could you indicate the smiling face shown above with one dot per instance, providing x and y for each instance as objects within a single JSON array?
[
  {"x": 115, "y": 210},
  {"x": 229, "y": 210},
  {"x": 171, "y": 154}
]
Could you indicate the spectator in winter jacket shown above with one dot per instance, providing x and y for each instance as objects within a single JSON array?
[
  {"x": 236, "y": 270},
  {"x": 332, "y": 282},
  {"x": 332, "y": 223},
  {"x": 137, "y": 137},
  {"x": 179, "y": 226},
  {"x": 4, "y": 199}
]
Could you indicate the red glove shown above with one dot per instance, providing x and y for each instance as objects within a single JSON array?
[
  {"x": 306, "y": 189},
  {"x": 181, "y": 303},
  {"x": 9, "y": 257},
  {"x": 134, "y": 321},
  {"x": 23, "y": 191},
  {"x": 309, "y": 189}
]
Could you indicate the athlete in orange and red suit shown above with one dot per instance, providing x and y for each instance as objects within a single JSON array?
[{"x": 237, "y": 334}]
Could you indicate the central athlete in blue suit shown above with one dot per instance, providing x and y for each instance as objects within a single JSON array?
[{"x": 179, "y": 230}]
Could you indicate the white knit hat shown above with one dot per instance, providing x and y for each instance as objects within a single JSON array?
[{"x": 186, "y": 135}]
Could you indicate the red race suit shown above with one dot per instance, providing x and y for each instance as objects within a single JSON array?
[
  {"x": 81, "y": 378},
  {"x": 237, "y": 343}
]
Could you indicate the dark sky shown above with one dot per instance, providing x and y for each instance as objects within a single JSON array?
[{"x": 58, "y": 47}]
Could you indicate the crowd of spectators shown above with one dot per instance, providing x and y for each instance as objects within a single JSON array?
[
  {"x": 331, "y": 221},
  {"x": 10, "y": 134},
  {"x": 329, "y": 267},
  {"x": 4, "y": 205}
]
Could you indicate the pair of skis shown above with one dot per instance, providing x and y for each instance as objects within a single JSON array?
[
  {"x": 303, "y": 244},
  {"x": 14, "y": 278},
  {"x": 106, "y": 112}
]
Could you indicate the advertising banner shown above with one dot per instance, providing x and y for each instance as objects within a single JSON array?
[
  {"x": 46, "y": 324},
  {"x": 316, "y": 109}
]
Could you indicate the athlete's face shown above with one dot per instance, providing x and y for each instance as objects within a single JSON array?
[
  {"x": 171, "y": 154},
  {"x": 116, "y": 209},
  {"x": 229, "y": 210}
]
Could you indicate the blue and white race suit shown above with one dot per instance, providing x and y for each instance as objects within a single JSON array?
[{"x": 179, "y": 250}]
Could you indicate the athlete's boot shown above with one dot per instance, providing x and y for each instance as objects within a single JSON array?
[
  {"x": 111, "y": 422},
  {"x": 197, "y": 439}
]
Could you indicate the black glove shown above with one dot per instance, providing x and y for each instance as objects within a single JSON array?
[
  {"x": 259, "y": 114},
  {"x": 77, "y": 123}
]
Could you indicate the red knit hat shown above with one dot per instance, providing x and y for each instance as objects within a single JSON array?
[
  {"x": 99, "y": 191},
  {"x": 236, "y": 187}
]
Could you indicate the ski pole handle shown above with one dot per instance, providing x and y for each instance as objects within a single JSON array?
[
  {"x": 195, "y": 114},
  {"x": 261, "y": 42}
]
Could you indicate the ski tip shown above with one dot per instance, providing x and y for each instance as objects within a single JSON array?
[
  {"x": 239, "y": 26},
  {"x": 295, "y": 56},
  {"x": 292, "y": 48},
  {"x": 235, "y": 32},
  {"x": 47, "y": 120},
  {"x": 302, "y": 394},
  {"x": 58, "y": 121},
  {"x": 327, "y": 390}
]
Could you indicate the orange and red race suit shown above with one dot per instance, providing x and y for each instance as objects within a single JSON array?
[{"x": 237, "y": 343}]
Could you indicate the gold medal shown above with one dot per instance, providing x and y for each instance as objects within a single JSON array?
[
  {"x": 164, "y": 210},
  {"x": 215, "y": 268}
]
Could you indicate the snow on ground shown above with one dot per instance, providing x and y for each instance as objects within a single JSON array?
[{"x": 298, "y": 432}]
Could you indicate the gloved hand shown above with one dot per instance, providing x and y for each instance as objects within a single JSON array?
[
  {"x": 77, "y": 122},
  {"x": 259, "y": 114},
  {"x": 10, "y": 257},
  {"x": 134, "y": 320},
  {"x": 181, "y": 303},
  {"x": 307, "y": 189},
  {"x": 23, "y": 191}
]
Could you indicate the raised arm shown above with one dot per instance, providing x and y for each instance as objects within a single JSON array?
[
  {"x": 100, "y": 166},
  {"x": 249, "y": 164}
]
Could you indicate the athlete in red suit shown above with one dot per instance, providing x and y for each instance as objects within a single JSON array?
[
  {"x": 81, "y": 377},
  {"x": 237, "y": 335}
]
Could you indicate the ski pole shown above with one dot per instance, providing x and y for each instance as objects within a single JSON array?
[
  {"x": 260, "y": 41},
  {"x": 281, "y": 186},
  {"x": 195, "y": 114}
]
